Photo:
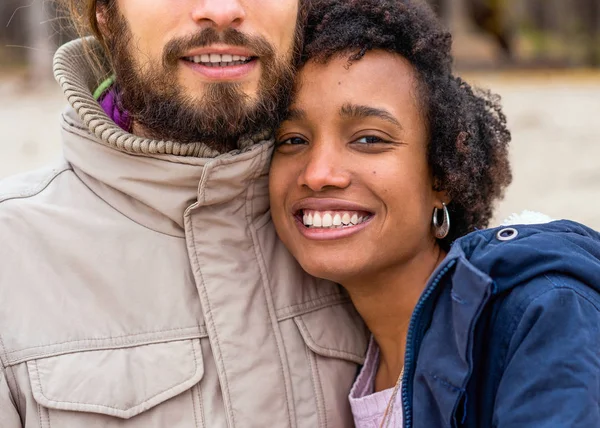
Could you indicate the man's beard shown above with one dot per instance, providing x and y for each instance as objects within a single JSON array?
[{"x": 160, "y": 108}]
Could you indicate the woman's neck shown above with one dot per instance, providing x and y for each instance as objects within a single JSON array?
[{"x": 386, "y": 302}]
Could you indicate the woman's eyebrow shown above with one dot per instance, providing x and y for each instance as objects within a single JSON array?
[
  {"x": 295, "y": 114},
  {"x": 360, "y": 111}
]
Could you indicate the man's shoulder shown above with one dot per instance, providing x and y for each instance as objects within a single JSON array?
[
  {"x": 29, "y": 205},
  {"x": 30, "y": 184}
]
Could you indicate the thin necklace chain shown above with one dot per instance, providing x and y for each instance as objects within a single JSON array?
[{"x": 387, "y": 416}]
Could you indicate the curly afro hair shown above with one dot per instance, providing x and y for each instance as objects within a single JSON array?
[{"x": 468, "y": 137}]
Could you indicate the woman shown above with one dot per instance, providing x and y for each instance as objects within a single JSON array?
[{"x": 385, "y": 172}]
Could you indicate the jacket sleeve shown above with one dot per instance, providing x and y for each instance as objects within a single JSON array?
[
  {"x": 552, "y": 373},
  {"x": 9, "y": 418}
]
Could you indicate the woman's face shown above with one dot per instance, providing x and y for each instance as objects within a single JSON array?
[{"x": 351, "y": 191}]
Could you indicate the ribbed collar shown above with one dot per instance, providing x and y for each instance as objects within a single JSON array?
[
  {"x": 78, "y": 81},
  {"x": 151, "y": 182}
]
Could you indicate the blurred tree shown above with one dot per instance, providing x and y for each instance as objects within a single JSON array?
[
  {"x": 491, "y": 17},
  {"x": 591, "y": 25},
  {"x": 28, "y": 36},
  {"x": 11, "y": 30},
  {"x": 40, "y": 47}
]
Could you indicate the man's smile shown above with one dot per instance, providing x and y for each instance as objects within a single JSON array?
[{"x": 220, "y": 63}]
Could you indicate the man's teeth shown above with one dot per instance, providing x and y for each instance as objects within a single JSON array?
[
  {"x": 332, "y": 219},
  {"x": 218, "y": 60}
]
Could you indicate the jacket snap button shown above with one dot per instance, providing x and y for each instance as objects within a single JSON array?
[{"x": 507, "y": 234}]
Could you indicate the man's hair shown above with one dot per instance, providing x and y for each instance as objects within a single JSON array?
[
  {"x": 81, "y": 15},
  {"x": 468, "y": 137}
]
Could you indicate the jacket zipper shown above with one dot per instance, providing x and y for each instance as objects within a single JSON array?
[{"x": 411, "y": 344}]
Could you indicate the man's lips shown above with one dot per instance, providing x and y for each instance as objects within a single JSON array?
[
  {"x": 220, "y": 50},
  {"x": 221, "y": 56},
  {"x": 221, "y": 66}
]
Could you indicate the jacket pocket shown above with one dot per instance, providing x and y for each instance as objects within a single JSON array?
[
  {"x": 336, "y": 342},
  {"x": 335, "y": 332},
  {"x": 143, "y": 386}
]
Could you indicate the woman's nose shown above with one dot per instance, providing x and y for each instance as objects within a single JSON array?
[{"x": 324, "y": 169}]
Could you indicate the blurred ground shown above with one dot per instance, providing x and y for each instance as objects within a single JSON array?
[{"x": 554, "y": 117}]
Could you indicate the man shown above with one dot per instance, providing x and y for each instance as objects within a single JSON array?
[{"x": 141, "y": 281}]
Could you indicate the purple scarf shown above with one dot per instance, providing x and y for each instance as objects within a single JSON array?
[{"x": 110, "y": 103}]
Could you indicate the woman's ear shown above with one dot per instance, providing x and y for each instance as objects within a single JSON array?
[{"x": 441, "y": 197}]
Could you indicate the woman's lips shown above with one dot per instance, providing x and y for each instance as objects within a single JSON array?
[
  {"x": 331, "y": 224},
  {"x": 333, "y": 218}
]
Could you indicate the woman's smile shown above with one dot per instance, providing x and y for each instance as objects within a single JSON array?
[{"x": 330, "y": 219}]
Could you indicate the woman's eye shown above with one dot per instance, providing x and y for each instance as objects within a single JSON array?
[
  {"x": 370, "y": 140},
  {"x": 294, "y": 141}
]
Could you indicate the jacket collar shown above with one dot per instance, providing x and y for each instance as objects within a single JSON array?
[
  {"x": 78, "y": 81},
  {"x": 151, "y": 182}
]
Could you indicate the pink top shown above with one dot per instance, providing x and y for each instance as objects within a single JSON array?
[{"x": 368, "y": 407}]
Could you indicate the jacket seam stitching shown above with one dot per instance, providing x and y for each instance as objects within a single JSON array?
[
  {"x": 194, "y": 405},
  {"x": 200, "y": 405},
  {"x": 19, "y": 392},
  {"x": 293, "y": 308},
  {"x": 40, "y": 410},
  {"x": 564, "y": 286},
  {"x": 446, "y": 383},
  {"x": 218, "y": 355},
  {"x": 47, "y": 413},
  {"x": 322, "y": 396},
  {"x": 533, "y": 299},
  {"x": 37, "y": 190},
  {"x": 73, "y": 124},
  {"x": 100, "y": 339},
  {"x": 300, "y": 313},
  {"x": 9, "y": 369},
  {"x": 4, "y": 353},
  {"x": 266, "y": 286},
  {"x": 311, "y": 357}
]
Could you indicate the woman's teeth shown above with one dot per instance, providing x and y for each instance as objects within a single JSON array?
[{"x": 332, "y": 219}]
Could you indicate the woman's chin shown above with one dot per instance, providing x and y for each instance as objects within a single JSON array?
[{"x": 326, "y": 270}]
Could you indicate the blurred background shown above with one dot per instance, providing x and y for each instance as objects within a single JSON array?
[{"x": 541, "y": 56}]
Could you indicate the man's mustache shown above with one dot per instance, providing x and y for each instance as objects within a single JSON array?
[{"x": 176, "y": 49}]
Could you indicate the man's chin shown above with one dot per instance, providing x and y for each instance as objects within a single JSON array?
[{"x": 243, "y": 96}]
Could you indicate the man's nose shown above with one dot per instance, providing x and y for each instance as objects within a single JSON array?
[
  {"x": 219, "y": 14},
  {"x": 324, "y": 169}
]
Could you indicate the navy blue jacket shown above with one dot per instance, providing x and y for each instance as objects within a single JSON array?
[{"x": 507, "y": 332}]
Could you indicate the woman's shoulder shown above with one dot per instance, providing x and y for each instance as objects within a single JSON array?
[
  {"x": 529, "y": 259},
  {"x": 540, "y": 336},
  {"x": 545, "y": 275},
  {"x": 549, "y": 269}
]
